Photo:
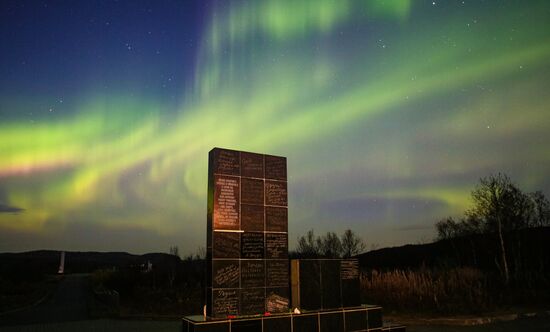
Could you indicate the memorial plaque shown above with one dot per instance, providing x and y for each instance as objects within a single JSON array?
[
  {"x": 276, "y": 245},
  {"x": 277, "y": 273},
  {"x": 275, "y": 168},
  {"x": 225, "y": 302},
  {"x": 356, "y": 320},
  {"x": 226, "y": 162},
  {"x": 332, "y": 322},
  {"x": 226, "y": 245},
  {"x": 275, "y": 193},
  {"x": 252, "y": 301},
  {"x": 252, "y": 165},
  {"x": 276, "y": 299},
  {"x": 226, "y": 203},
  {"x": 247, "y": 233},
  {"x": 325, "y": 283},
  {"x": 310, "y": 284},
  {"x": 247, "y": 325},
  {"x": 276, "y": 219},
  {"x": 225, "y": 273},
  {"x": 306, "y": 323},
  {"x": 349, "y": 275},
  {"x": 252, "y": 273},
  {"x": 374, "y": 318},
  {"x": 252, "y": 245},
  {"x": 349, "y": 269},
  {"x": 252, "y": 218},
  {"x": 330, "y": 284},
  {"x": 281, "y": 323},
  {"x": 252, "y": 191}
]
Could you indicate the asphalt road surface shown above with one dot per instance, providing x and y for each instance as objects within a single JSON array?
[{"x": 67, "y": 303}]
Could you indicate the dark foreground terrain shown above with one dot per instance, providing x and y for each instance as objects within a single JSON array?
[
  {"x": 526, "y": 325},
  {"x": 67, "y": 303},
  {"x": 66, "y": 310}
]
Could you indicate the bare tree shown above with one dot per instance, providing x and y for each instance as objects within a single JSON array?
[
  {"x": 331, "y": 246},
  {"x": 351, "y": 244},
  {"x": 446, "y": 228},
  {"x": 307, "y": 245},
  {"x": 501, "y": 207},
  {"x": 541, "y": 213}
]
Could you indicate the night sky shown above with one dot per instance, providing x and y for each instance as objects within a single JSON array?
[{"x": 389, "y": 112}]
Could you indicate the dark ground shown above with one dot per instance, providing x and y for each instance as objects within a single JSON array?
[
  {"x": 524, "y": 325},
  {"x": 67, "y": 303},
  {"x": 65, "y": 310}
]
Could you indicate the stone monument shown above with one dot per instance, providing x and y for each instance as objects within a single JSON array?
[
  {"x": 247, "y": 234},
  {"x": 247, "y": 266}
]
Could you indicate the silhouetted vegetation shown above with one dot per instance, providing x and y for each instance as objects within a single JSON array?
[
  {"x": 494, "y": 257},
  {"x": 500, "y": 210},
  {"x": 454, "y": 290},
  {"x": 328, "y": 245}
]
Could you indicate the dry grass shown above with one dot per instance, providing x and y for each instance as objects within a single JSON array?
[{"x": 463, "y": 290}]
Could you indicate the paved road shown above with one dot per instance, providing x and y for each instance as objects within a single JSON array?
[{"x": 67, "y": 303}]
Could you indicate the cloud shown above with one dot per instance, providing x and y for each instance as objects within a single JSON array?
[{"x": 10, "y": 209}]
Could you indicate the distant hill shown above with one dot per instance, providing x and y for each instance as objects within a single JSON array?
[
  {"x": 533, "y": 245},
  {"x": 479, "y": 251},
  {"x": 47, "y": 261}
]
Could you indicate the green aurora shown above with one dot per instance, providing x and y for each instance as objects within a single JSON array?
[{"x": 388, "y": 112}]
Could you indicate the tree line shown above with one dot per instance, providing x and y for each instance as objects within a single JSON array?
[
  {"x": 329, "y": 245},
  {"x": 500, "y": 211}
]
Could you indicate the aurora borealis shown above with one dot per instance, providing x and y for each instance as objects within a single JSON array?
[{"x": 388, "y": 112}]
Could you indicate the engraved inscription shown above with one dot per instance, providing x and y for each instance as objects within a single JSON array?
[
  {"x": 276, "y": 219},
  {"x": 275, "y": 167},
  {"x": 277, "y": 273},
  {"x": 252, "y": 245},
  {"x": 252, "y": 273},
  {"x": 226, "y": 203},
  {"x": 277, "y": 299},
  {"x": 252, "y": 301},
  {"x": 252, "y": 165},
  {"x": 225, "y": 273},
  {"x": 275, "y": 193},
  {"x": 252, "y": 191},
  {"x": 349, "y": 269},
  {"x": 225, "y": 302},
  {"x": 226, "y": 245},
  {"x": 247, "y": 241},
  {"x": 252, "y": 218},
  {"x": 226, "y": 162},
  {"x": 276, "y": 245}
]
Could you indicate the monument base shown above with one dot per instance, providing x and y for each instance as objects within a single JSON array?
[{"x": 362, "y": 318}]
